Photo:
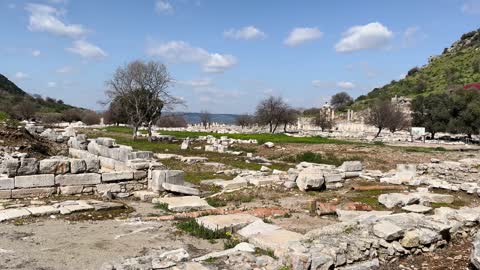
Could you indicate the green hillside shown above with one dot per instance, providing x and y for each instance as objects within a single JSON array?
[
  {"x": 455, "y": 67},
  {"x": 11, "y": 95}
]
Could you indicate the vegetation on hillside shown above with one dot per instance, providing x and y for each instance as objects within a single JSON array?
[{"x": 455, "y": 67}]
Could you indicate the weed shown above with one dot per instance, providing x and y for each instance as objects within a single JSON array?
[
  {"x": 192, "y": 227},
  {"x": 211, "y": 260},
  {"x": 283, "y": 267},
  {"x": 216, "y": 202},
  {"x": 162, "y": 206},
  {"x": 268, "y": 252},
  {"x": 231, "y": 242}
]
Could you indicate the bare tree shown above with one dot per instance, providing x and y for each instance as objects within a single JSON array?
[
  {"x": 90, "y": 117},
  {"x": 385, "y": 115},
  {"x": 25, "y": 110},
  {"x": 205, "y": 118},
  {"x": 270, "y": 111},
  {"x": 323, "y": 120},
  {"x": 289, "y": 117},
  {"x": 244, "y": 120},
  {"x": 341, "y": 100},
  {"x": 142, "y": 90},
  {"x": 172, "y": 121}
]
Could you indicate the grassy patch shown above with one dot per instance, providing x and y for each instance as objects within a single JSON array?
[
  {"x": 3, "y": 116},
  {"x": 236, "y": 198},
  {"x": 319, "y": 158},
  {"x": 192, "y": 227},
  {"x": 261, "y": 252},
  {"x": 216, "y": 202},
  {"x": 424, "y": 149},
  {"x": 231, "y": 242},
  {"x": 162, "y": 206}
]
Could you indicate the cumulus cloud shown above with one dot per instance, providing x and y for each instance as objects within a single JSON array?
[
  {"x": 361, "y": 37},
  {"x": 180, "y": 51},
  {"x": 45, "y": 18},
  {"x": 247, "y": 32},
  {"x": 163, "y": 7},
  {"x": 36, "y": 53},
  {"x": 52, "y": 84},
  {"x": 346, "y": 85},
  {"x": 471, "y": 7},
  {"x": 301, "y": 35},
  {"x": 87, "y": 50},
  {"x": 20, "y": 75}
]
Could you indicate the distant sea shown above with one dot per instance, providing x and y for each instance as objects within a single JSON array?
[{"x": 194, "y": 118}]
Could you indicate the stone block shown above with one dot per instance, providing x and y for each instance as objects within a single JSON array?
[
  {"x": 140, "y": 155},
  {"x": 93, "y": 164},
  {"x": 352, "y": 166},
  {"x": 310, "y": 179},
  {"x": 28, "y": 166},
  {"x": 43, "y": 210},
  {"x": 117, "y": 176},
  {"x": 54, "y": 166},
  {"x": 7, "y": 183},
  {"x": 138, "y": 164},
  {"x": 180, "y": 189},
  {"x": 9, "y": 214},
  {"x": 228, "y": 222},
  {"x": 183, "y": 204},
  {"x": 387, "y": 230},
  {"x": 38, "y": 180},
  {"x": 114, "y": 188},
  {"x": 10, "y": 166},
  {"x": 159, "y": 177},
  {"x": 5, "y": 194},
  {"x": 145, "y": 195},
  {"x": 78, "y": 153},
  {"x": 107, "y": 163},
  {"x": 71, "y": 190},
  {"x": 78, "y": 179},
  {"x": 139, "y": 175},
  {"x": 32, "y": 192},
  {"x": 108, "y": 142},
  {"x": 275, "y": 240},
  {"x": 78, "y": 166}
]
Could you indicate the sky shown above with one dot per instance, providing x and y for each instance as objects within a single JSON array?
[{"x": 225, "y": 56}]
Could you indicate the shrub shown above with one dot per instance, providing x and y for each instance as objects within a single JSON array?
[{"x": 192, "y": 227}]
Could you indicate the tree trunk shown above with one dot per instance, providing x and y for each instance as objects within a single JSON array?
[
  {"x": 275, "y": 128},
  {"x": 150, "y": 124},
  {"x": 378, "y": 133},
  {"x": 271, "y": 127},
  {"x": 285, "y": 128},
  {"x": 433, "y": 135},
  {"x": 135, "y": 130}
]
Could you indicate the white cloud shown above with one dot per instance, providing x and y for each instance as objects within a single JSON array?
[
  {"x": 301, "y": 35},
  {"x": 20, "y": 75},
  {"x": 247, "y": 32},
  {"x": 64, "y": 69},
  {"x": 163, "y": 7},
  {"x": 471, "y": 7},
  {"x": 87, "y": 50},
  {"x": 361, "y": 37},
  {"x": 45, "y": 18},
  {"x": 52, "y": 84},
  {"x": 346, "y": 85},
  {"x": 198, "y": 83},
  {"x": 180, "y": 51},
  {"x": 332, "y": 85},
  {"x": 36, "y": 53}
]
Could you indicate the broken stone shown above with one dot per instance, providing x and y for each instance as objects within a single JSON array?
[
  {"x": 28, "y": 166},
  {"x": 310, "y": 179},
  {"x": 226, "y": 222},
  {"x": 54, "y": 166},
  {"x": 9, "y": 214},
  {"x": 180, "y": 189},
  {"x": 417, "y": 208},
  {"x": 387, "y": 230},
  {"x": 183, "y": 204}
]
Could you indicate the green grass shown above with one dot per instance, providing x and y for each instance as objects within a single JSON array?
[
  {"x": 162, "y": 206},
  {"x": 192, "y": 227},
  {"x": 261, "y": 252},
  {"x": 261, "y": 138},
  {"x": 3, "y": 116},
  {"x": 236, "y": 198},
  {"x": 319, "y": 158},
  {"x": 424, "y": 149}
]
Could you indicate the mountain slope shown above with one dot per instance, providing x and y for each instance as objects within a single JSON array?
[
  {"x": 11, "y": 95},
  {"x": 456, "y": 66}
]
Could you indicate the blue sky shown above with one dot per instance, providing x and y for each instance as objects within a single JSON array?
[{"x": 226, "y": 55}]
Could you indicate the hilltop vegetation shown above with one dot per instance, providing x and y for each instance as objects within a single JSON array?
[
  {"x": 455, "y": 67},
  {"x": 19, "y": 104}
]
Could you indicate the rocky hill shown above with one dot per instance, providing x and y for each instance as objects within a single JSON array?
[
  {"x": 457, "y": 66},
  {"x": 11, "y": 95}
]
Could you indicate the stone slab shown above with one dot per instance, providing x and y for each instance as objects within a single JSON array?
[
  {"x": 181, "y": 189},
  {"x": 117, "y": 176},
  {"x": 184, "y": 204},
  {"x": 228, "y": 222},
  {"x": 114, "y": 188},
  {"x": 32, "y": 192},
  {"x": 78, "y": 179},
  {"x": 38, "y": 180},
  {"x": 71, "y": 190},
  {"x": 417, "y": 208},
  {"x": 277, "y": 240},
  {"x": 387, "y": 230},
  {"x": 257, "y": 227},
  {"x": 43, "y": 210},
  {"x": 7, "y": 183},
  {"x": 9, "y": 214},
  {"x": 5, "y": 194},
  {"x": 145, "y": 195}
]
